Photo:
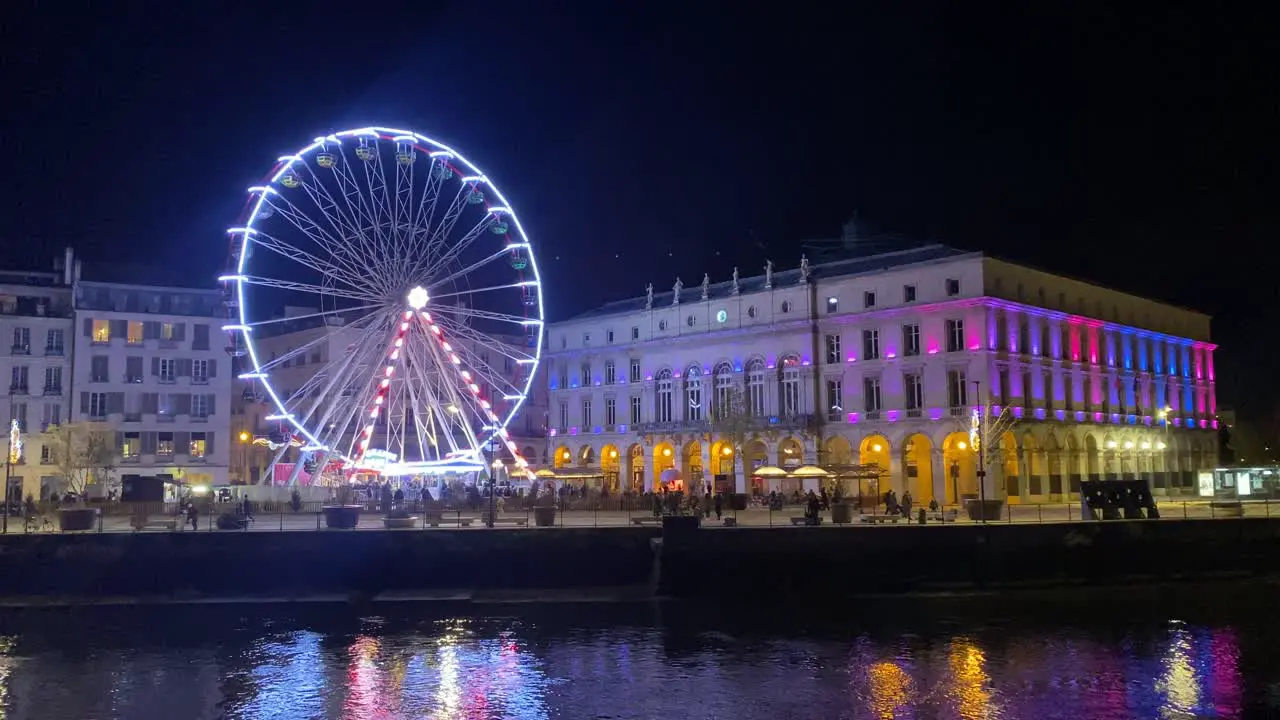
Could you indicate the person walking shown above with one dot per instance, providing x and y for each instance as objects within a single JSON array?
[
  {"x": 719, "y": 503},
  {"x": 193, "y": 515}
]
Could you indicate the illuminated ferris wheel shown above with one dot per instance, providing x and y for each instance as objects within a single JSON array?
[{"x": 420, "y": 292}]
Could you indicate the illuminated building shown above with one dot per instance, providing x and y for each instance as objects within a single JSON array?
[{"x": 878, "y": 359}]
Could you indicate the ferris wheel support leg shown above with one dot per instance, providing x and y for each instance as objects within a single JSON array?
[{"x": 270, "y": 475}]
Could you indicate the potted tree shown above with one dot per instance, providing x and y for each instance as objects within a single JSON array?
[
  {"x": 841, "y": 511},
  {"x": 544, "y": 509},
  {"x": 81, "y": 452},
  {"x": 398, "y": 516},
  {"x": 343, "y": 513}
]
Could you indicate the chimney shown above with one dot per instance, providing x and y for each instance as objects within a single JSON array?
[
  {"x": 67, "y": 265},
  {"x": 75, "y": 276}
]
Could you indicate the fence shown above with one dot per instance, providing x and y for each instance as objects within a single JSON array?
[{"x": 571, "y": 512}]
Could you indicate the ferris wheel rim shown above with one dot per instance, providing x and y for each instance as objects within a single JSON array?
[{"x": 258, "y": 195}]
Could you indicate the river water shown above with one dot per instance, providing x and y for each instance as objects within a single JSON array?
[{"x": 1141, "y": 653}]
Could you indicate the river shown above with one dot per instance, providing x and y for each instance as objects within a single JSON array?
[{"x": 1137, "y": 653}]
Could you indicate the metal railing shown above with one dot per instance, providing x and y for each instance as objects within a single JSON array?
[{"x": 583, "y": 512}]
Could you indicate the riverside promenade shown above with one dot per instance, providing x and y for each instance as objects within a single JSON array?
[{"x": 281, "y": 518}]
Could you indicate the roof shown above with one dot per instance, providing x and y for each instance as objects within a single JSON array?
[{"x": 781, "y": 278}]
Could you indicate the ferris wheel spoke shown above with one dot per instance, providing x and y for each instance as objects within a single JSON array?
[
  {"x": 305, "y": 224},
  {"x": 339, "y": 313},
  {"x": 401, "y": 223},
  {"x": 461, "y": 245},
  {"x": 439, "y": 233},
  {"x": 461, "y": 329},
  {"x": 476, "y": 291},
  {"x": 483, "y": 314},
  {"x": 359, "y": 206},
  {"x": 342, "y": 217},
  {"x": 306, "y": 288},
  {"x": 434, "y": 282},
  {"x": 437, "y": 173},
  {"x": 463, "y": 409},
  {"x": 330, "y": 271}
]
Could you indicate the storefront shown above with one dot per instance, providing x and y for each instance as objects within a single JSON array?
[{"x": 1240, "y": 483}]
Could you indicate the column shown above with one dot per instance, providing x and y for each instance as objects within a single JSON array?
[
  {"x": 941, "y": 483},
  {"x": 708, "y": 470}
]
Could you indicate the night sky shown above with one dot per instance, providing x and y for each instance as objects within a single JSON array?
[{"x": 1136, "y": 151}]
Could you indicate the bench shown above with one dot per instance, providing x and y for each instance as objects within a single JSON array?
[
  {"x": 460, "y": 522},
  {"x": 877, "y": 519},
  {"x": 517, "y": 521},
  {"x": 948, "y": 516},
  {"x": 156, "y": 525},
  {"x": 731, "y": 522},
  {"x": 802, "y": 520},
  {"x": 646, "y": 521}
]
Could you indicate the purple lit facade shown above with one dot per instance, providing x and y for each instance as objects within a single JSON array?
[{"x": 884, "y": 360}]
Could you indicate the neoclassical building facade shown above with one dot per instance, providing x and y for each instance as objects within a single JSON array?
[{"x": 885, "y": 359}]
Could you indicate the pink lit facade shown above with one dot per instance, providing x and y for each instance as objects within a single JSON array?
[{"x": 884, "y": 361}]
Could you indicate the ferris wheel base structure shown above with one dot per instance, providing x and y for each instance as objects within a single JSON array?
[{"x": 418, "y": 271}]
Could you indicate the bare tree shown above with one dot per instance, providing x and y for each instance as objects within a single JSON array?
[
  {"x": 733, "y": 422},
  {"x": 83, "y": 452}
]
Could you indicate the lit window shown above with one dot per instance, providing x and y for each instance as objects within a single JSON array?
[
  {"x": 166, "y": 331},
  {"x": 134, "y": 336},
  {"x": 132, "y": 446},
  {"x": 164, "y": 444},
  {"x": 833, "y": 304},
  {"x": 101, "y": 331},
  {"x": 198, "y": 445}
]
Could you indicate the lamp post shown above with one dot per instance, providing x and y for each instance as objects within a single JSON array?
[
  {"x": 980, "y": 447},
  {"x": 493, "y": 480},
  {"x": 244, "y": 457}
]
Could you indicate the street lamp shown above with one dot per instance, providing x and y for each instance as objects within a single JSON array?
[{"x": 493, "y": 480}]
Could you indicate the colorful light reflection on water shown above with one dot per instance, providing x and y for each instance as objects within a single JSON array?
[{"x": 514, "y": 667}]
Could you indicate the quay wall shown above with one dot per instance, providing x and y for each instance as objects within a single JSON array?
[{"x": 719, "y": 562}]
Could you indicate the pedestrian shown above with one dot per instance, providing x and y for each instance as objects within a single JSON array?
[
  {"x": 719, "y": 506},
  {"x": 906, "y": 504},
  {"x": 192, "y": 515}
]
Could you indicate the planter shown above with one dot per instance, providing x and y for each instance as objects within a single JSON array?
[
  {"x": 841, "y": 513},
  {"x": 680, "y": 523},
  {"x": 399, "y": 523},
  {"x": 738, "y": 502},
  {"x": 341, "y": 517},
  {"x": 980, "y": 510},
  {"x": 544, "y": 516},
  {"x": 77, "y": 519},
  {"x": 231, "y": 521}
]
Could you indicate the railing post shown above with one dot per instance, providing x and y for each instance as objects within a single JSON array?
[
  {"x": 1040, "y": 511},
  {"x": 1184, "y": 509}
]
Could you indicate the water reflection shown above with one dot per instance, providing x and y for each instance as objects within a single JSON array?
[{"x": 404, "y": 666}]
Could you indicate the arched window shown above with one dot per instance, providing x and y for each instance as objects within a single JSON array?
[
  {"x": 755, "y": 387},
  {"x": 663, "y": 385},
  {"x": 724, "y": 389},
  {"x": 790, "y": 371},
  {"x": 693, "y": 393}
]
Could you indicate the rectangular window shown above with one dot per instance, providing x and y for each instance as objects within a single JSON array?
[
  {"x": 1026, "y": 389},
  {"x": 564, "y": 416},
  {"x": 635, "y": 409},
  {"x": 1047, "y": 379},
  {"x": 586, "y": 414},
  {"x": 133, "y": 335},
  {"x": 199, "y": 446},
  {"x": 955, "y": 335},
  {"x": 833, "y": 305},
  {"x": 871, "y": 394},
  {"x": 19, "y": 413},
  {"x": 201, "y": 407},
  {"x": 635, "y": 371},
  {"x": 586, "y": 339},
  {"x": 164, "y": 444},
  {"x": 910, "y": 340},
  {"x": 908, "y": 293},
  {"x": 166, "y": 331},
  {"x": 52, "y": 415},
  {"x": 168, "y": 370},
  {"x": 635, "y": 333},
  {"x": 99, "y": 368},
  {"x": 868, "y": 299},
  {"x": 1068, "y": 392},
  {"x": 1003, "y": 391},
  {"x": 200, "y": 371},
  {"x": 610, "y": 411},
  {"x": 97, "y": 405},
  {"x": 52, "y": 380},
  {"x": 22, "y": 341},
  {"x": 953, "y": 287},
  {"x": 54, "y": 343},
  {"x": 131, "y": 447},
  {"x": 101, "y": 331},
  {"x": 957, "y": 389},
  {"x": 913, "y": 391},
  {"x": 833, "y": 350},
  {"x": 610, "y": 374},
  {"x": 870, "y": 344},
  {"x": 608, "y": 337},
  {"x": 835, "y": 399},
  {"x": 19, "y": 379},
  {"x": 585, "y": 375}
]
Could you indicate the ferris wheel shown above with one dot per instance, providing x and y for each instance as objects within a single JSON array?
[{"x": 413, "y": 297}]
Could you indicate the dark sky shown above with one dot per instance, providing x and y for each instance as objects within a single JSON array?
[{"x": 1135, "y": 150}]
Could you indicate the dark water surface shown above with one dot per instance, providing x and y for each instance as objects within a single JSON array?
[{"x": 1140, "y": 653}]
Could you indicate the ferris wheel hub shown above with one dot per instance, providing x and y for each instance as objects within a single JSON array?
[{"x": 418, "y": 298}]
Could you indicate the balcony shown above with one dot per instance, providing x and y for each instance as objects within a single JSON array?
[
  {"x": 914, "y": 413},
  {"x": 54, "y": 350},
  {"x": 98, "y": 378},
  {"x": 166, "y": 379},
  {"x": 52, "y": 389},
  {"x": 132, "y": 417},
  {"x": 18, "y": 389},
  {"x": 133, "y": 379},
  {"x": 20, "y": 350}
]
